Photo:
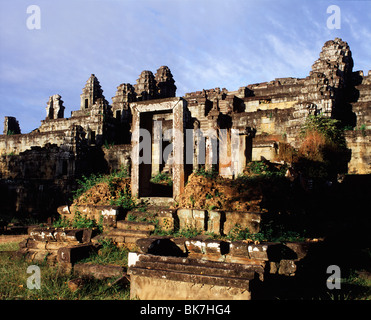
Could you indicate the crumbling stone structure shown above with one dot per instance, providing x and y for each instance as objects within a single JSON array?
[
  {"x": 55, "y": 108},
  {"x": 11, "y": 126},
  {"x": 228, "y": 128}
]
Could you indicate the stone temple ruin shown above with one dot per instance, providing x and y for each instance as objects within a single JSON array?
[
  {"x": 100, "y": 137},
  {"x": 217, "y": 128}
]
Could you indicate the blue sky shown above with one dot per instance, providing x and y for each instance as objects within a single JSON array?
[{"x": 205, "y": 43}]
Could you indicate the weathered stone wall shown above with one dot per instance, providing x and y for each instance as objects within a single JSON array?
[
  {"x": 17, "y": 143},
  {"x": 117, "y": 156},
  {"x": 218, "y": 222},
  {"x": 34, "y": 196},
  {"x": 359, "y": 142},
  {"x": 49, "y": 162}
]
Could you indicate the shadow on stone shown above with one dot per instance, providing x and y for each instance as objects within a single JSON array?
[{"x": 165, "y": 247}]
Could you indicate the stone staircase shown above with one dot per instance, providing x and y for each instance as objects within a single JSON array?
[
  {"x": 139, "y": 225},
  {"x": 159, "y": 201},
  {"x": 126, "y": 233}
]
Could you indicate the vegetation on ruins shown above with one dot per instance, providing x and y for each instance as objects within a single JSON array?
[
  {"x": 162, "y": 178},
  {"x": 87, "y": 183},
  {"x": 110, "y": 189},
  {"x": 205, "y": 189},
  {"x": 79, "y": 221},
  {"x": 268, "y": 233},
  {"x": 322, "y": 148}
]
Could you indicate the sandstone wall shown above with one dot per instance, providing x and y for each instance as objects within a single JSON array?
[
  {"x": 117, "y": 156},
  {"x": 17, "y": 143},
  {"x": 359, "y": 142}
]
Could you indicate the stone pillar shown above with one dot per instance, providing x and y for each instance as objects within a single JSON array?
[
  {"x": 178, "y": 148},
  {"x": 156, "y": 147}
]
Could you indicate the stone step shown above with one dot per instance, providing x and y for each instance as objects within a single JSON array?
[
  {"x": 151, "y": 212},
  {"x": 135, "y": 225},
  {"x": 192, "y": 278},
  {"x": 196, "y": 268},
  {"x": 60, "y": 234},
  {"x": 159, "y": 201},
  {"x": 124, "y": 239},
  {"x": 129, "y": 233},
  {"x": 193, "y": 270}
]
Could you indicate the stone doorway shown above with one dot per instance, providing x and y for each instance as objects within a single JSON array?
[{"x": 170, "y": 113}]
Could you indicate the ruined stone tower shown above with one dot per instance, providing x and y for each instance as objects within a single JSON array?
[
  {"x": 91, "y": 93},
  {"x": 165, "y": 83},
  {"x": 120, "y": 102},
  {"x": 145, "y": 87}
]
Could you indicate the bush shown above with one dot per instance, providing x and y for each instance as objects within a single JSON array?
[
  {"x": 87, "y": 183},
  {"x": 322, "y": 148},
  {"x": 329, "y": 128}
]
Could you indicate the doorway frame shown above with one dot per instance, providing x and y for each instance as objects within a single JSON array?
[{"x": 177, "y": 107}]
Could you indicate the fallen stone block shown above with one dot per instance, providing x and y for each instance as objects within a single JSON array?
[
  {"x": 109, "y": 213},
  {"x": 46, "y": 245},
  {"x": 159, "y": 277},
  {"x": 258, "y": 251},
  {"x": 98, "y": 271},
  {"x": 72, "y": 254},
  {"x": 38, "y": 255},
  {"x": 185, "y": 218},
  {"x": 60, "y": 234},
  {"x": 239, "y": 249},
  {"x": 166, "y": 219},
  {"x": 134, "y": 225},
  {"x": 129, "y": 232}
]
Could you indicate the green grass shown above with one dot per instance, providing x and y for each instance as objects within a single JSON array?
[
  {"x": 54, "y": 284},
  {"x": 10, "y": 246},
  {"x": 109, "y": 253}
]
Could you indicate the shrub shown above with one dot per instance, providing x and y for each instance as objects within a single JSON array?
[
  {"x": 329, "y": 128},
  {"x": 87, "y": 183},
  {"x": 323, "y": 147}
]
